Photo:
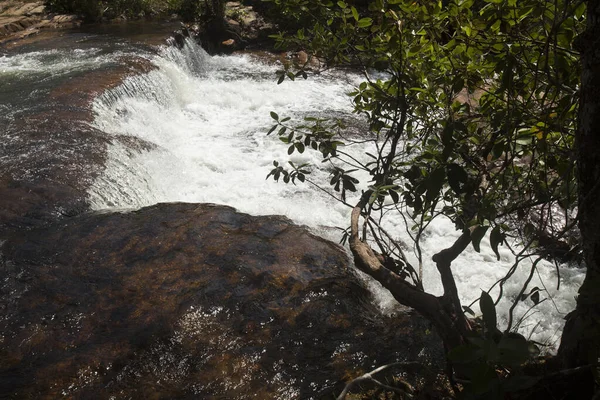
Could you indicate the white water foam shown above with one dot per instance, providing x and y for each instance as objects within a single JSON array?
[
  {"x": 54, "y": 62},
  {"x": 207, "y": 118}
]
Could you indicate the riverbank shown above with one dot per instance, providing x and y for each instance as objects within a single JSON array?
[
  {"x": 242, "y": 28},
  {"x": 23, "y": 19}
]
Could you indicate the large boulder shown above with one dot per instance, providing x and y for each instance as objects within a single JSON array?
[{"x": 187, "y": 301}]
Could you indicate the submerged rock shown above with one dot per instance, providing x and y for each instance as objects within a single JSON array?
[{"x": 187, "y": 301}]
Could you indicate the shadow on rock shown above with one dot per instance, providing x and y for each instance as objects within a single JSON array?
[{"x": 188, "y": 301}]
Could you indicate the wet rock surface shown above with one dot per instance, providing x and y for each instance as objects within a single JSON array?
[
  {"x": 52, "y": 155},
  {"x": 242, "y": 28},
  {"x": 49, "y": 152},
  {"x": 187, "y": 301}
]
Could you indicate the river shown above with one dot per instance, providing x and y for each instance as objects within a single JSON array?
[{"x": 192, "y": 128}]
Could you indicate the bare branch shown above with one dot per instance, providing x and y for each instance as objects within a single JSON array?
[
  {"x": 405, "y": 293},
  {"x": 406, "y": 390},
  {"x": 518, "y": 298},
  {"x": 443, "y": 261}
]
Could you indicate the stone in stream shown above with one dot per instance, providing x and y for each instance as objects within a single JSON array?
[{"x": 188, "y": 301}]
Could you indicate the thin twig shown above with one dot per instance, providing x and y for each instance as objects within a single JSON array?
[
  {"x": 369, "y": 377},
  {"x": 529, "y": 278}
]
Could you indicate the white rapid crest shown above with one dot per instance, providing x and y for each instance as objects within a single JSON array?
[{"x": 200, "y": 125}]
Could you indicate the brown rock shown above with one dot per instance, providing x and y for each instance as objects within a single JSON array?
[
  {"x": 19, "y": 16},
  {"x": 233, "y": 25},
  {"x": 185, "y": 300}
]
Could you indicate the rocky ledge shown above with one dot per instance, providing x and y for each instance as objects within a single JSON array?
[
  {"x": 20, "y": 19},
  {"x": 188, "y": 301}
]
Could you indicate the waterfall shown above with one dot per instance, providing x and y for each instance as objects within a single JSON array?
[{"x": 199, "y": 123}]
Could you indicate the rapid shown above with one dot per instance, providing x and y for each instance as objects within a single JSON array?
[
  {"x": 192, "y": 128},
  {"x": 203, "y": 121}
]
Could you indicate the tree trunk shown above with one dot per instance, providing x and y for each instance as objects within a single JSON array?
[
  {"x": 444, "y": 312},
  {"x": 581, "y": 337}
]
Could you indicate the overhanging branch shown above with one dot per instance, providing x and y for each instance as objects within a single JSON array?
[
  {"x": 405, "y": 293},
  {"x": 443, "y": 260}
]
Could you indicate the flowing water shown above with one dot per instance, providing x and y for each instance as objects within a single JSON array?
[{"x": 200, "y": 123}]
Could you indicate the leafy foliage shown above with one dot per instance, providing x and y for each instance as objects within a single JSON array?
[
  {"x": 95, "y": 10},
  {"x": 512, "y": 150},
  {"x": 476, "y": 113},
  {"x": 482, "y": 358},
  {"x": 472, "y": 107}
]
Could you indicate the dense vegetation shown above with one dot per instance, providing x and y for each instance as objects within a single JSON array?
[
  {"x": 96, "y": 10},
  {"x": 474, "y": 114}
]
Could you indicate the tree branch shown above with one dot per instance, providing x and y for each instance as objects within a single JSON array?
[
  {"x": 443, "y": 261},
  {"x": 407, "y": 390},
  {"x": 405, "y": 293}
]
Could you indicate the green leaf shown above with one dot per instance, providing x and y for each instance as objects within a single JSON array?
[
  {"x": 435, "y": 183},
  {"x": 465, "y": 354},
  {"x": 349, "y": 186},
  {"x": 513, "y": 350},
  {"x": 373, "y": 197},
  {"x": 529, "y": 229},
  {"x": 520, "y": 382},
  {"x": 274, "y": 116},
  {"x": 457, "y": 177},
  {"x": 477, "y": 235},
  {"x": 458, "y": 84},
  {"x": 341, "y": 4},
  {"x": 355, "y": 13},
  {"x": 364, "y": 22},
  {"x": 496, "y": 239},
  {"x": 467, "y": 30},
  {"x": 488, "y": 309},
  {"x": 468, "y": 310}
]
